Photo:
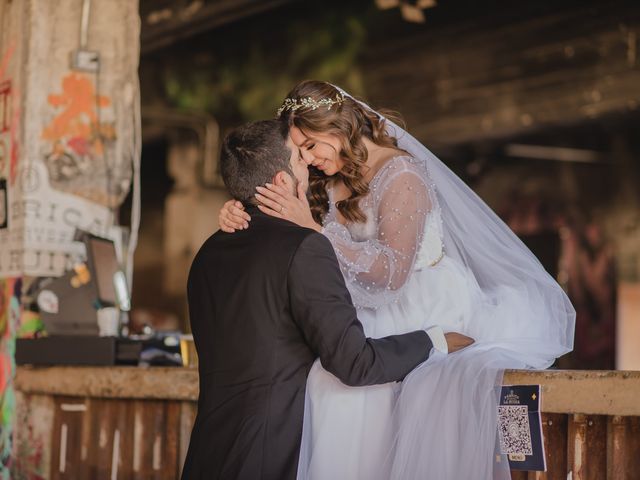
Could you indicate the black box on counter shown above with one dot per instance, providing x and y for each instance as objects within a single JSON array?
[{"x": 77, "y": 350}]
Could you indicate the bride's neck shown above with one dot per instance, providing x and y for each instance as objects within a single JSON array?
[{"x": 373, "y": 151}]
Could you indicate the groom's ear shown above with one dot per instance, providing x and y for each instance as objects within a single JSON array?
[{"x": 282, "y": 179}]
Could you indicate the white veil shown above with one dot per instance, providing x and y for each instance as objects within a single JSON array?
[
  {"x": 501, "y": 263},
  {"x": 537, "y": 328}
]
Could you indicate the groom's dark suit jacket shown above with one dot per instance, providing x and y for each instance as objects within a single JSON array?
[{"x": 264, "y": 304}]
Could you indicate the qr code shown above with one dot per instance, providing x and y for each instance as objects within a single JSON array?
[{"x": 515, "y": 434}]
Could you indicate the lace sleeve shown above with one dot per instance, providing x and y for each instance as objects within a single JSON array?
[{"x": 376, "y": 270}]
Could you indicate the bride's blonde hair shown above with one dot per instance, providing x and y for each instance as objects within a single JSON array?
[{"x": 321, "y": 108}]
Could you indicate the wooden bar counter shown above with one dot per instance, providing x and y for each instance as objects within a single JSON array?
[{"x": 134, "y": 423}]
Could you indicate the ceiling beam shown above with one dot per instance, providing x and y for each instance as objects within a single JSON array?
[{"x": 166, "y": 22}]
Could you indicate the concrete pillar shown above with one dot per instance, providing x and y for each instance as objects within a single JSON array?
[
  {"x": 70, "y": 131},
  {"x": 190, "y": 217},
  {"x": 68, "y": 102}
]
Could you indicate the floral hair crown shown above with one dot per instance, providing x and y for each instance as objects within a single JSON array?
[{"x": 294, "y": 104}]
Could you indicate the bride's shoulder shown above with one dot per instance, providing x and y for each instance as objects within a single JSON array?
[{"x": 398, "y": 163}]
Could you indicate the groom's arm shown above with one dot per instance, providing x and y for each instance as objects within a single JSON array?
[{"x": 322, "y": 307}]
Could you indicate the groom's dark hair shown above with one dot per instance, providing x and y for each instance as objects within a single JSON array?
[{"x": 251, "y": 156}]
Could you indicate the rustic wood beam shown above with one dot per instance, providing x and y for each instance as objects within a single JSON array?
[
  {"x": 593, "y": 392},
  {"x": 166, "y": 22},
  {"x": 497, "y": 76},
  {"x": 563, "y": 391}
]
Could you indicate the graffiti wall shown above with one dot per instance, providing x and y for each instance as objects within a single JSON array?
[
  {"x": 48, "y": 219},
  {"x": 9, "y": 117},
  {"x": 10, "y": 291},
  {"x": 66, "y": 149},
  {"x": 78, "y": 141},
  {"x": 42, "y": 203},
  {"x": 8, "y": 137},
  {"x": 66, "y": 146},
  {"x": 70, "y": 184}
]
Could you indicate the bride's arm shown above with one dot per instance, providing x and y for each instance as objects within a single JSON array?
[
  {"x": 383, "y": 264},
  {"x": 376, "y": 269}
]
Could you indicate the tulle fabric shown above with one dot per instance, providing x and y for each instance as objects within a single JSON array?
[
  {"x": 377, "y": 257},
  {"x": 444, "y": 408},
  {"x": 450, "y": 439},
  {"x": 458, "y": 266}
]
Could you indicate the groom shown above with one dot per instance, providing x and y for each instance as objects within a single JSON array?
[{"x": 264, "y": 303}]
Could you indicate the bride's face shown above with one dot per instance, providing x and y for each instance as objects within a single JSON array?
[{"x": 319, "y": 149}]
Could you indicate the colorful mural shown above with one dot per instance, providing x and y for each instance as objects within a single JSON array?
[
  {"x": 8, "y": 141},
  {"x": 44, "y": 245},
  {"x": 10, "y": 293},
  {"x": 78, "y": 139},
  {"x": 75, "y": 145},
  {"x": 30, "y": 460},
  {"x": 9, "y": 120},
  {"x": 4, "y": 156},
  {"x": 5, "y": 106},
  {"x": 9, "y": 288}
]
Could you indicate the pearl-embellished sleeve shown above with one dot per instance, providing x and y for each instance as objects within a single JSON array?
[{"x": 376, "y": 269}]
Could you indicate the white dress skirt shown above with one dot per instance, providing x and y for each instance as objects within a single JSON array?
[{"x": 440, "y": 422}]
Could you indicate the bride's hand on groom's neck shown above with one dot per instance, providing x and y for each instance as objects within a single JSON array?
[
  {"x": 287, "y": 202},
  {"x": 232, "y": 217}
]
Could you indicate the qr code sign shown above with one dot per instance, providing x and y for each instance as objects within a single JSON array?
[{"x": 515, "y": 434}]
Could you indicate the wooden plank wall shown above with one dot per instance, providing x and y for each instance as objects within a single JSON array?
[
  {"x": 591, "y": 447},
  {"x": 148, "y": 439},
  {"x": 124, "y": 439},
  {"x": 68, "y": 427}
]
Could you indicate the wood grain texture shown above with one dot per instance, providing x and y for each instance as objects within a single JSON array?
[
  {"x": 500, "y": 75},
  {"x": 153, "y": 435},
  {"x": 111, "y": 382},
  {"x": 110, "y": 438},
  {"x": 564, "y": 391}
]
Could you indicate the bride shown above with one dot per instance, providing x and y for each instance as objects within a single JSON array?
[{"x": 417, "y": 248}]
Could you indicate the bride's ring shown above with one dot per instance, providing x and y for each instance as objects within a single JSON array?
[{"x": 281, "y": 209}]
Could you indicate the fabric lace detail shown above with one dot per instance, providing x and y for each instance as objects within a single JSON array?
[
  {"x": 402, "y": 233},
  {"x": 432, "y": 248}
]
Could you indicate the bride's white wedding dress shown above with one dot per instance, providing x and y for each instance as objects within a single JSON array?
[{"x": 440, "y": 422}]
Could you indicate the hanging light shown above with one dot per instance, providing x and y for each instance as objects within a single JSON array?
[{"x": 411, "y": 11}]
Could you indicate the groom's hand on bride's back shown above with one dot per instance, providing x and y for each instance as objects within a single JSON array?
[{"x": 457, "y": 341}]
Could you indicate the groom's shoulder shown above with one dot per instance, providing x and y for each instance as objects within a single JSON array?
[
  {"x": 315, "y": 242},
  {"x": 314, "y": 247},
  {"x": 294, "y": 241},
  {"x": 273, "y": 234},
  {"x": 283, "y": 234}
]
